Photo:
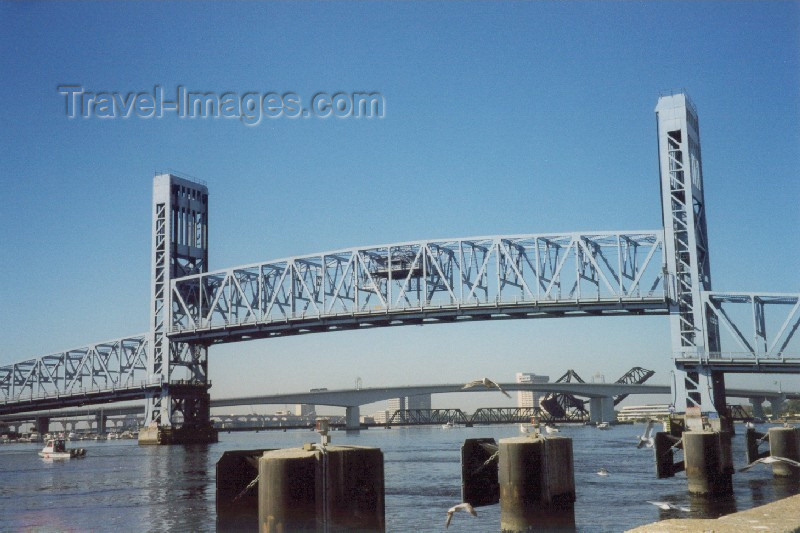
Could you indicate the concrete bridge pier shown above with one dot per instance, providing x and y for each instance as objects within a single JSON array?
[
  {"x": 352, "y": 418},
  {"x": 758, "y": 407},
  {"x": 777, "y": 403},
  {"x": 601, "y": 409},
  {"x": 101, "y": 419},
  {"x": 42, "y": 425}
]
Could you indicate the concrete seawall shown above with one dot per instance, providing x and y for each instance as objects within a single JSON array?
[{"x": 782, "y": 516}]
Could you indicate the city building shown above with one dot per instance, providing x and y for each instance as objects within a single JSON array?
[
  {"x": 304, "y": 409},
  {"x": 529, "y": 398}
]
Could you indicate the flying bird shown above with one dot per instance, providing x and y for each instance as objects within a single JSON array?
[
  {"x": 486, "y": 382},
  {"x": 769, "y": 460},
  {"x": 460, "y": 507},
  {"x": 666, "y": 506},
  {"x": 646, "y": 439}
]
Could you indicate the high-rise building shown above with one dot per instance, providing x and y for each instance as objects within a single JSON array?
[
  {"x": 529, "y": 398},
  {"x": 421, "y": 401},
  {"x": 397, "y": 404}
]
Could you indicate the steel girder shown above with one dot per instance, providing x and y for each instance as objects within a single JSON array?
[
  {"x": 116, "y": 364},
  {"x": 761, "y": 325},
  {"x": 517, "y": 276}
]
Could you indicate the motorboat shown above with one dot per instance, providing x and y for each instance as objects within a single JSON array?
[
  {"x": 449, "y": 425},
  {"x": 550, "y": 429},
  {"x": 603, "y": 425},
  {"x": 57, "y": 449}
]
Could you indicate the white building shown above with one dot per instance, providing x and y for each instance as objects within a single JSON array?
[
  {"x": 529, "y": 398},
  {"x": 304, "y": 409},
  {"x": 421, "y": 401}
]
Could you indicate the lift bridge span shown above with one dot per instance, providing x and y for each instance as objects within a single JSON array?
[{"x": 664, "y": 271}]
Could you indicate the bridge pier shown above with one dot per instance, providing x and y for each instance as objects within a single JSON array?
[
  {"x": 100, "y": 419},
  {"x": 758, "y": 407},
  {"x": 601, "y": 409},
  {"x": 777, "y": 403},
  {"x": 42, "y": 425},
  {"x": 352, "y": 418}
]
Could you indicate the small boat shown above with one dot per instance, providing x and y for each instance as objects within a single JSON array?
[
  {"x": 550, "y": 429},
  {"x": 71, "y": 435},
  {"x": 603, "y": 425},
  {"x": 750, "y": 425},
  {"x": 57, "y": 449},
  {"x": 449, "y": 425}
]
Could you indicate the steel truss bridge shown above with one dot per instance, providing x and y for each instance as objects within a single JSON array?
[
  {"x": 515, "y": 276},
  {"x": 594, "y": 273}
]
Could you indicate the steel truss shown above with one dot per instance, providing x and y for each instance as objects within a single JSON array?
[
  {"x": 488, "y": 277},
  {"x": 744, "y": 316},
  {"x": 116, "y": 364},
  {"x": 427, "y": 416},
  {"x": 513, "y": 415}
]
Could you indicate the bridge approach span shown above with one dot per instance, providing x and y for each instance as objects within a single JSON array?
[{"x": 432, "y": 281}]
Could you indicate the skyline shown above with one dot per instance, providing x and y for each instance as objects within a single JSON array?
[{"x": 490, "y": 127}]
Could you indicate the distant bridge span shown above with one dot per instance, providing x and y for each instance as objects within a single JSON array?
[{"x": 356, "y": 397}]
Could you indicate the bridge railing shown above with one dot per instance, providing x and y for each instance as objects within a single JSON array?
[
  {"x": 570, "y": 270},
  {"x": 115, "y": 364}
]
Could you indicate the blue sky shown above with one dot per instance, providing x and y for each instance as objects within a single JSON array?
[{"x": 499, "y": 118}]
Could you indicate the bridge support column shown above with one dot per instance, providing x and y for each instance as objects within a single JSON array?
[
  {"x": 776, "y": 403},
  {"x": 178, "y": 412},
  {"x": 602, "y": 409},
  {"x": 758, "y": 407},
  {"x": 42, "y": 425},
  {"x": 537, "y": 484},
  {"x": 352, "y": 418},
  {"x": 101, "y": 419}
]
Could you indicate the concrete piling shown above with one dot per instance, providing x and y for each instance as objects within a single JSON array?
[
  {"x": 537, "y": 484},
  {"x": 785, "y": 442},
  {"x": 321, "y": 489},
  {"x": 707, "y": 458}
]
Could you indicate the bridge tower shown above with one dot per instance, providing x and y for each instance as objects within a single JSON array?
[
  {"x": 180, "y": 411},
  {"x": 695, "y": 333}
]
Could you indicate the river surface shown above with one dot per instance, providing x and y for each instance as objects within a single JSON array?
[{"x": 120, "y": 486}]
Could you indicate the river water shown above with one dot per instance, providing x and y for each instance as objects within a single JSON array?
[{"x": 120, "y": 486}]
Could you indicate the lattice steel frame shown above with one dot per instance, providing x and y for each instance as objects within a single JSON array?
[
  {"x": 488, "y": 277},
  {"x": 180, "y": 248},
  {"x": 762, "y": 347},
  {"x": 694, "y": 333},
  {"x": 113, "y": 364}
]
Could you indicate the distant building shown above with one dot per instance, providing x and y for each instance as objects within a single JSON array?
[
  {"x": 421, "y": 401},
  {"x": 397, "y": 404},
  {"x": 380, "y": 417},
  {"x": 529, "y": 398},
  {"x": 304, "y": 409}
]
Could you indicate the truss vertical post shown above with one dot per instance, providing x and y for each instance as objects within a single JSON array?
[
  {"x": 179, "y": 411},
  {"x": 695, "y": 332}
]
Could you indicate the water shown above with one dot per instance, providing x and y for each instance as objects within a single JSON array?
[{"x": 125, "y": 487}]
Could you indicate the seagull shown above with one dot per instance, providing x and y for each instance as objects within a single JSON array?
[
  {"x": 646, "y": 439},
  {"x": 460, "y": 507},
  {"x": 769, "y": 460},
  {"x": 486, "y": 382},
  {"x": 602, "y": 472},
  {"x": 666, "y": 506}
]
